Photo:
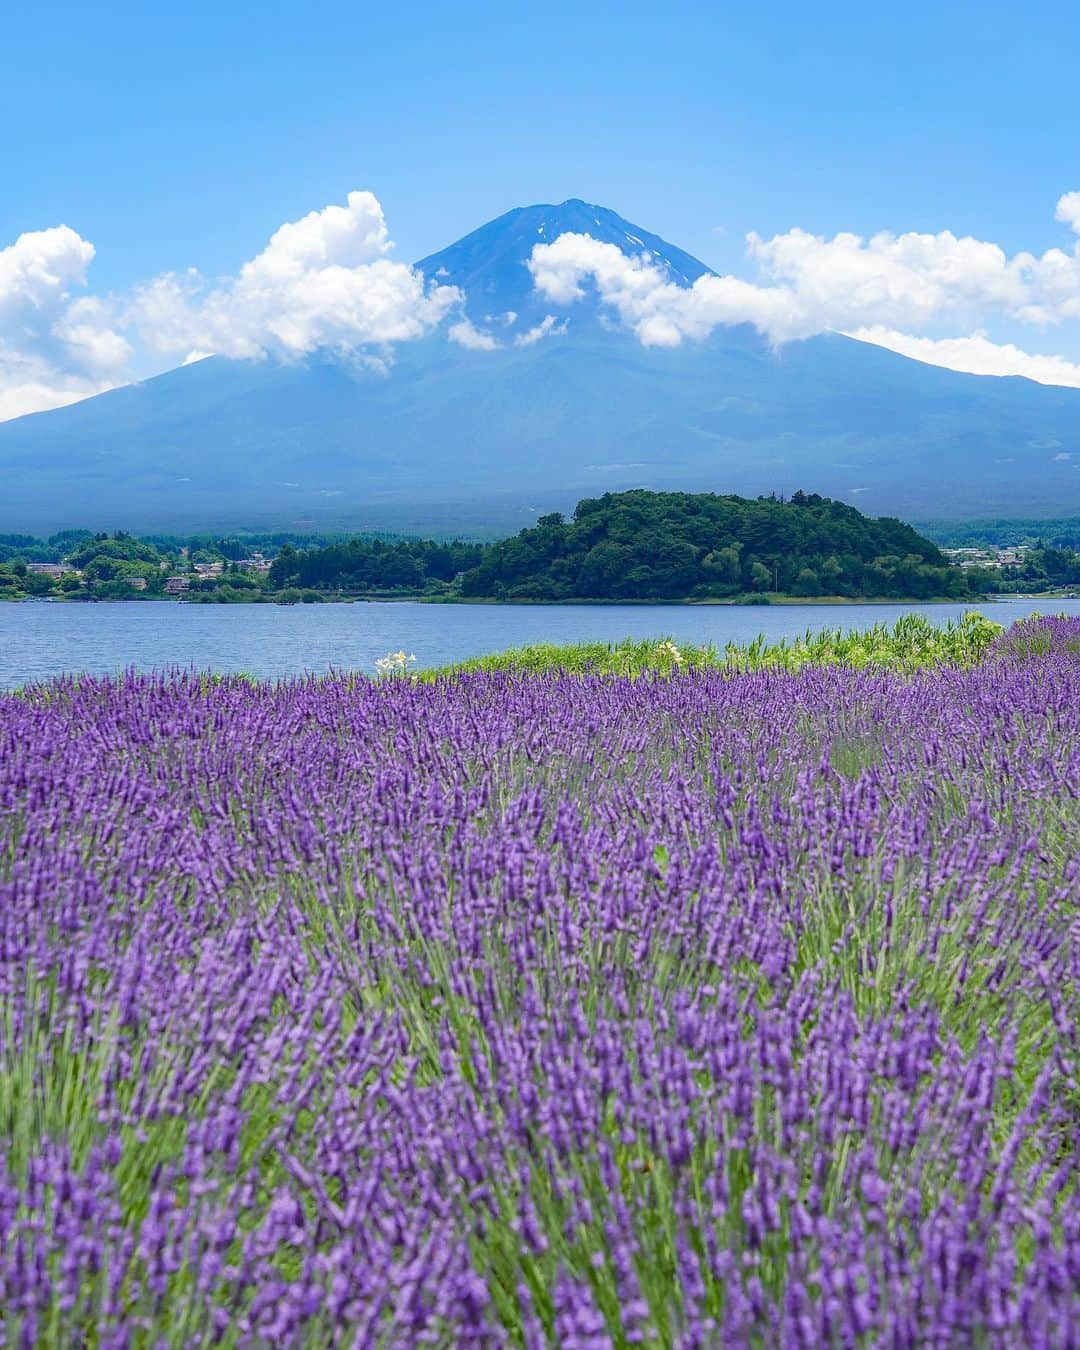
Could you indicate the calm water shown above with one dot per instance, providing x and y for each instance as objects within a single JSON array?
[{"x": 39, "y": 640}]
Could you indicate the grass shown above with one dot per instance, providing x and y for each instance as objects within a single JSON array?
[{"x": 912, "y": 643}]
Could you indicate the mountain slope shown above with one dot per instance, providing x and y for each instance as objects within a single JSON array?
[{"x": 453, "y": 438}]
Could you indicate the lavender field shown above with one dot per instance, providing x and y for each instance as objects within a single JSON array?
[{"x": 691, "y": 1009}]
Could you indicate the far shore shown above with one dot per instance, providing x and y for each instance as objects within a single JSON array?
[
  {"x": 738, "y": 602},
  {"x": 744, "y": 602}
]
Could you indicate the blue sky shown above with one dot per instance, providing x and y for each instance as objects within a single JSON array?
[{"x": 171, "y": 138}]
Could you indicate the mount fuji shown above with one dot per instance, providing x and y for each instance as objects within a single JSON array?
[{"x": 482, "y": 437}]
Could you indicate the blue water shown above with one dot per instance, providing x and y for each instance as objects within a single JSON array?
[{"x": 40, "y": 639}]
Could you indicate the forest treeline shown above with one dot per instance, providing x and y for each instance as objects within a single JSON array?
[
  {"x": 633, "y": 546},
  {"x": 358, "y": 565},
  {"x": 644, "y": 545}
]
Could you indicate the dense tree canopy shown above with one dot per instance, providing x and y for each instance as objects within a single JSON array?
[
  {"x": 637, "y": 545},
  {"x": 119, "y": 548},
  {"x": 360, "y": 565},
  {"x": 1060, "y": 532},
  {"x": 669, "y": 545}
]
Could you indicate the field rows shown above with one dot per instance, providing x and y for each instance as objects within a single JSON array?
[{"x": 678, "y": 1006}]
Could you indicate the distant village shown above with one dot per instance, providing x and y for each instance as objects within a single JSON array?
[
  {"x": 175, "y": 584},
  {"x": 999, "y": 558},
  {"x": 1019, "y": 566},
  {"x": 80, "y": 565}
]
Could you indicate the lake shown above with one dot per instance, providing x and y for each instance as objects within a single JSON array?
[{"x": 39, "y": 639}]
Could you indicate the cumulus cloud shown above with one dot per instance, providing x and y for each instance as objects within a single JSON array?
[
  {"x": 660, "y": 312},
  {"x": 55, "y": 346},
  {"x": 466, "y": 334},
  {"x": 809, "y": 284},
  {"x": 325, "y": 281},
  {"x": 1068, "y": 210},
  {"x": 38, "y": 271},
  {"x": 977, "y": 355},
  {"x": 548, "y": 326}
]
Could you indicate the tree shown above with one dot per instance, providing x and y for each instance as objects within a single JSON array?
[
  {"x": 122, "y": 548},
  {"x": 604, "y": 571},
  {"x": 724, "y": 564},
  {"x": 103, "y": 569},
  {"x": 36, "y": 584},
  {"x": 806, "y": 582},
  {"x": 832, "y": 577},
  {"x": 760, "y": 577},
  {"x": 284, "y": 567}
]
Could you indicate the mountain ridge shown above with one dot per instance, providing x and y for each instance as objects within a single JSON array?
[{"x": 509, "y": 433}]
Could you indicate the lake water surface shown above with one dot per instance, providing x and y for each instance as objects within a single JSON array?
[{"x": 39, "y": 639}]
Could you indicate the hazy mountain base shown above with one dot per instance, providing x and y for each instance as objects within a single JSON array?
[{"x": 487, "y": 441}]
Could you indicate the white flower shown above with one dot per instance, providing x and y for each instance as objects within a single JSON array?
[{"x": 394, "y": 663}]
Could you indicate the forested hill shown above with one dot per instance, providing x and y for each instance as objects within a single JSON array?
[{"x": 674, "y": 545}]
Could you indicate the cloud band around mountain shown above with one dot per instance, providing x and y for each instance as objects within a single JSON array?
[
  {"x": 976, "y": 355},
  {"x": 872, "y": 288},
  {"x": 323, "y": 282},
  {"x": 327, "y": 281}
]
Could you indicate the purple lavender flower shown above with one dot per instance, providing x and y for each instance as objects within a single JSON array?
[{"x": 544, "y": 1010}]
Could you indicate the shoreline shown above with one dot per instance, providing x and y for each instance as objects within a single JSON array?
[
  {"x": 767, "y": 600},
  {"x": 789, "y": 601}
]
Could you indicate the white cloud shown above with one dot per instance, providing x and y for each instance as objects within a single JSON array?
[
  {"x": 39, "y": 269},
  {"x": 659, "y": 311},
  {"x": 324, "y": 281},
  {"x": 548, "y": 326},
  {"x": 1068, "y": 210},
  {"x": 809, "y": 284},
  {"x": 26, "y": 388},
  {"x": 321, "y": 282},
  {"x": 977, "y": 355},
  {"x": 465, "y": 334},
  {"x": 55, "y": 347},
  {"x": 889, "y": 279}
]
